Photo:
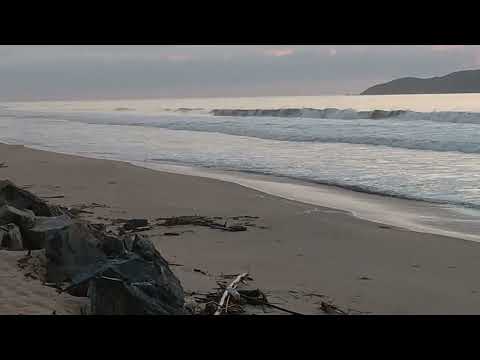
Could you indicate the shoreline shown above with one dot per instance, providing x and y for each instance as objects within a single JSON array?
[
  {"x": 299, "y": 253},
  {"x": 381, "y": 208},
  {"x": 417, "y": 215}
]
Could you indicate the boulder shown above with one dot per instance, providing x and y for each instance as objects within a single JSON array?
[
  {"x": 135, "y": 287},
  {"x": 70, "y": 251},
  {"x": 25, "y": 219},
  {"x": 138, "y": 283},
  {"x": 22, "y": 199},
  {"x": 111, "y": 245},
  {"x": 10, "y": 237},
  {"x": 144, "y": 247},
  {"x": 46, "y": 229}
]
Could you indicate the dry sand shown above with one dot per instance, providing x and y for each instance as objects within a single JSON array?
[{"x": 299, "y": 254}]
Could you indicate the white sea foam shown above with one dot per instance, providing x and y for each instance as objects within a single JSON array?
[{"x": 422, "y": 155}]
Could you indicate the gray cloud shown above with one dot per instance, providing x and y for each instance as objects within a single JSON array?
[{"x": 86, "y": 72}]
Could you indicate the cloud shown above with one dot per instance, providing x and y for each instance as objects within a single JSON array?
[
  {"x": 279, "y": 52},
  {"x": 178, "y": 58},
  {"x": 443, "y": 48},
  {"x": 83, "y": 71}
]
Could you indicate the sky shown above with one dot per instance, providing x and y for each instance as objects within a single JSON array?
[{"x": 67, "y": 72}]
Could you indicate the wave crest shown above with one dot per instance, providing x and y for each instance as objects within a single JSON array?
[{"x": 350, "y": 114}]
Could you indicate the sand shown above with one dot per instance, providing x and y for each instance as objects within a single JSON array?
[
  {"x": 299, "y": 254},
  {"x": 22, "y": 291}
]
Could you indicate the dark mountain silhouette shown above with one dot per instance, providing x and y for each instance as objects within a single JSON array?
[{"x": 467, "y": 81}]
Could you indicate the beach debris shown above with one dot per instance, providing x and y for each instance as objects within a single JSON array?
[
  {"x": 54, "y": 197},
  {"x": 230, "y": 299},
  {"x": 200, "y": 271},
  {"x": 199, "y": 221},
  {"x": 133, "y": 224},
  {"x": 233, "y": 276},
  {"x": 10, "y": 237},
  {"x": 244, "y": 217},
  {"x": 228, "y": 292},
  {"x": 74, "y": 212},
  {"x": 81, "y": 209},
  {"x": 331, "y": 309},
  {"x": 118, "y": 221},
  {"x": 171, "y": 234},
  {"x": 3, "y": 165},
  {"x": 364, "y": 278}
]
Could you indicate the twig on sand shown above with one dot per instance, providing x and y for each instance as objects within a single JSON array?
[
  {"x": 282, "y": 309},
  {"x": 331, "y": 309},
  {"x": 175, "y": 264},
  {"x": 226, "y": 293},
  {"x": 200, "y": 271},
  {"x": 2, "y": 165}
]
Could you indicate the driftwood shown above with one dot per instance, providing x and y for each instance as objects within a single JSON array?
[
  {"x": 199, "y": 221},
  {"x": 331, "y": 309},
  {"x": 228, "y": 292}
]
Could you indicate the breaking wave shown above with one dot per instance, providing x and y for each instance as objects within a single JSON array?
[
  {"x": 442, "y": 131},
  {"x": 350, "y": 114}
]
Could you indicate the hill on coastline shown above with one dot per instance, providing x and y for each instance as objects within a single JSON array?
[{"x": 467, "y": 81}]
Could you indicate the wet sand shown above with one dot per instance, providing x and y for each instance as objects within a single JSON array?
[{"x": 299, "y": 254}]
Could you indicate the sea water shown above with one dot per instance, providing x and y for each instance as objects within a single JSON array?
[{"x": 422, "y": 147}]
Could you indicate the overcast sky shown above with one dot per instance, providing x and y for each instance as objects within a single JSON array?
[{"x": 89, "y": 72}]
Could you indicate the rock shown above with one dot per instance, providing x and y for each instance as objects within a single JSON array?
[
  {"x": 135, "y": 223},
  {"x": 137, "y": 283},
  {"x": 145, "y": 248},
  {"x": 10, "y": 237},
  {"x": 46, "y": 229},
  {"x": 22, "y": 199},
  {"x": 23, "y": 218},
  {"x": 111, "y": 245},
  {"x": 135, "y": 286},
  {"x": 71, "y": 251}
]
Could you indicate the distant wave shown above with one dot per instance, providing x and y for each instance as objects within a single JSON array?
[
  {"x": 188, "y": 109},
  {"x": 350, "y": 114},
  {"x": 435, "y": 131}
]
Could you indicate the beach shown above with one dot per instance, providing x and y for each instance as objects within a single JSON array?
[{"x": 299, "y": 254}]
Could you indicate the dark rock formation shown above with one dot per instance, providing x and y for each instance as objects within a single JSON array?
[
  {"x": 25, "y": 219},
  {"x": 10, "y": 237},
  {"x": 138, "y": 283},
  {"x": 120, "y": 275},
  {"x": 22, "y": 199},
  {"x": 46, "y": 229},
  {"x": 467, "y": 81},
  {"x": 70, "y": 251}
]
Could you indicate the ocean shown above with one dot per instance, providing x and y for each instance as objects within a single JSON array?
[{"x": 421, "y": 147}]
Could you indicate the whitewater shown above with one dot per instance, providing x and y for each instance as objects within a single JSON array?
[{"x": 422, "y": 147}]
